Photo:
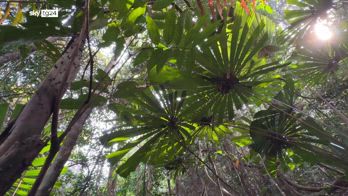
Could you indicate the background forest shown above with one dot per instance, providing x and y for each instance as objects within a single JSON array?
[{"x": 174, "y": 97}]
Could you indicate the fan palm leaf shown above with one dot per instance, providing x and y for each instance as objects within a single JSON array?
[
  {"x": 303, "y": 14},
  {"x": 315, "y": 65},
  {"x": 280, "y": 128},
  {"x": 229, "y": 69},
  {"x": 154, "y": 130}
]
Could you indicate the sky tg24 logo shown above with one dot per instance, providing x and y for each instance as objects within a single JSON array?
[{"x": 46, "y": 13}]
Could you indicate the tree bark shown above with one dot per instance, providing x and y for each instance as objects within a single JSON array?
[
  {"x": 112, "y": 182},
  {"x": 73, "y": 131},
  {"x": 24, "y": 143},
  {"x": 56, "y": 167}
]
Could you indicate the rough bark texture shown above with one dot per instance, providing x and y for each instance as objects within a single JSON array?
[
  {"x": 73, "y": 131},
  {"x": 112, "y": 182},
  {"x": 56, "y": 167},
  {"x": 26, "y": 132}
]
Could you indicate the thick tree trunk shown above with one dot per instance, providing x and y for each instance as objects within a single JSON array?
[
  {"x": 73, "y": 131},
  {"x": 24, "y": 143}
]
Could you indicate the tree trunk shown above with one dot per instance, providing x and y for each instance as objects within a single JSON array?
[
  {"x": 56, "y": 167},
  {"x": 112, "y": 182},
  {"x": 73, "y": 131},
  {"x": 24, "y": 143}
]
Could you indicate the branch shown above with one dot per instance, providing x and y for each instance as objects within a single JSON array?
[
  {"x": 200, "y": 7},
  {"x": 7, "y": 12},
  {"x": 91, "y": 59},
  {"x": 301, "y": 187},
  {"x": 343, "y": 117},
  {"x": 177, "y": 8},
  {"x": 188, "y": 4},
  {"x": 71, "y": 135},
  {"x": 200, "y": 160}
]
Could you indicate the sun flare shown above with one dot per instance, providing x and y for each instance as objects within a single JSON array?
[{"x": 323, "y": 31}]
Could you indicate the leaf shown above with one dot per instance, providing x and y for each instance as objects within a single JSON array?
[
  {"x": 17, "y": 110},
  {"x": 160, "y": 4},
  {"x": 174, "y": 78},
  {"x": 111, "y": 34},
  {"x": 179, "y": 29},
  {"x": 167, "y": 73},
  {"x": 139, "y": 156},
  {"x": 153, "y": 30},
  {"x": 126, "y": 89},
  {"x": 102, "y": 77},
  {"x": 158, "y": 58},
  {"x": 169, "y": 27},
  {"x": 115, "y": 157},
  {"x": 3, "y": 114},
  {"x": 122, "y": 6},
  {"x": 77, "y": 85},
  {"x": 49, "y": 49},
  {"x": 39, "y": 161},
  {"x": 32, "y": 173},
  {"x": 242, "y": 141},
  {"x": 120, "y": 44},
  {"x": 142, "y": 56},
  {"x": 70, "y": 103},
  {"x": 123, "y": 133},
  {"x": 35, "y": 28},
  {"x": 135, "y": 14}
]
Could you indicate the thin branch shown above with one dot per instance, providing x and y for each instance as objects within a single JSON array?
[
  {"x": 188, "y": 4},
  {"x": 17, "y": 188},
  {"x": 218, "y": 180},
  {"x": 91, "y": 59},
  {"x": 200, "y": 7},
  {"x": 331, "y": 168},
  {"x": 343, "y": 117},
  {"x": 177, "y": 8},
  {"x": 272, "y": 180},
  {"x": 301, "y": 187},
  {"x": 7, "y": 12},
  {"x": 88, "y": 63},
  {"x": 203, "y": 162}
]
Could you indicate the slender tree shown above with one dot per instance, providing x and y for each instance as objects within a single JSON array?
[{"x": 24, "y": 143}]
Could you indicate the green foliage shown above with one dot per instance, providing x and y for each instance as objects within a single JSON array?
[
  {"x": 23, "y": 185},
  {"x": 316, "y": 65},
  {"x": 3, "y": 113},
  {"x": 160, "y": 4},
  {"x": 307, "y": 10},
  {"x": 154, "y": 117},
  {"x": 35, "y": 28},
  {"x": 276, "y": 130},
  {"x": 226, "y": 77},
  {"x": 153, "y": 30},
  {"x": 220, "y": 68},
  {"x": 223, "y": 68},
  {"x": 71, "y": 103}
]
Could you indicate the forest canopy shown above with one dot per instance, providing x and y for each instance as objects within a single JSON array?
[{"x": 174, "y": 97}]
